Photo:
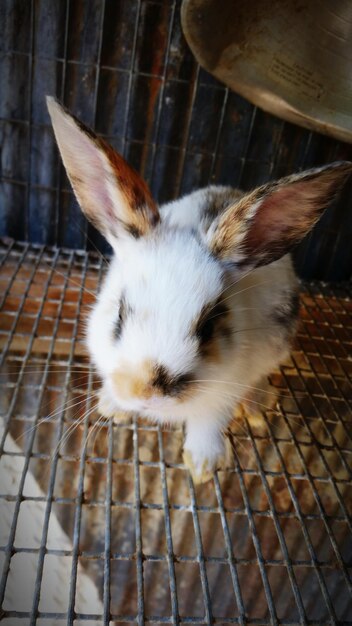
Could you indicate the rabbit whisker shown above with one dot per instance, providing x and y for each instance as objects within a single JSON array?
[
  {"x": 235, "y": 440},
  {"x": 236, "y": 293},
  {"x": 240, "y": 398},
  {"x": 235, "y": 282},
  {"x": 68, "y": 278},
  {"x": 47, "y": 419},
  {"x": 65, "y": 437},
  {"x": 225, "y": 382},
  {"x": 99, "y": 424}
]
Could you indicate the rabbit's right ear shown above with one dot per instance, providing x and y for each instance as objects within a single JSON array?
[
  {"x": 266, "y": 223},
  {"x": 111, "y": 194}
]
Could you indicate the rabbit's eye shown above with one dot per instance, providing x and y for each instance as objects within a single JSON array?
[
  {"x": 208, "y": 321},
  {"x": 120, "y": 320},
  {"x": 205, "y": 329},
  {"x": 118, "y": 326}
]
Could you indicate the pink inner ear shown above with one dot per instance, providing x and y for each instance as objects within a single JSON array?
[
  {"x": 266, "y": 223},
  {"x": 88, "y": 175},
  {"x": 273, "y": 215},
  {"x": 283, "y": 217},
  {"x": 111, "y": 194}
]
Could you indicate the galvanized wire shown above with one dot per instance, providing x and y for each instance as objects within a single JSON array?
[{"x": 275, "y": 527}]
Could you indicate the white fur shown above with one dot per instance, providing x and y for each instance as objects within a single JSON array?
[
  {"x": 184, "y": 278},
  {"x": 166, "y": 278},
  {"x": 186, "y": 212}
]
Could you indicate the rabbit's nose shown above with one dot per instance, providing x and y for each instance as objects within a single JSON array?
[{"x": 135, "y": 381}]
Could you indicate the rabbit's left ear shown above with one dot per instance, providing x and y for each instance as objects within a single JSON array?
[
  {"x": 266, "y": 223},
  {"x": 111, "y": 194}
]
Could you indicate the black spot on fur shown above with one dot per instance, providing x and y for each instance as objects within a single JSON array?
[
  {"x": 133, "y": 230},
  {"x": 217, "y": 201},
  {"x": 209, "y": 321},
  {"x": 123, "y": 311},
  {"x": 168, "y": 383}
]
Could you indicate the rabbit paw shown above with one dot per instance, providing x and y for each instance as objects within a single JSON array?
[
  {"x": 202, "y": 468},
  {"x": 203, "y": 450}
]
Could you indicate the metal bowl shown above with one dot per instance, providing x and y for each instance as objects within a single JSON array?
[{"x": 292, "y": 58}]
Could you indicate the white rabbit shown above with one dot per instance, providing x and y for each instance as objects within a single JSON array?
[{"x": 199, "y": 303}]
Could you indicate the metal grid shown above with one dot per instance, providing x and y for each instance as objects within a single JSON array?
[
  {"x": 103, "y": 525},
  {"x": 125, "y": 69}
]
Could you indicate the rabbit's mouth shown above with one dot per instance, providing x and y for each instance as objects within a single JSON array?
[
  {"x": 155, "y": 402},
  {"x": 155, "y": 405}
]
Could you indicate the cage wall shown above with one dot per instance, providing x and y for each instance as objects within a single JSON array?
[
  {"x": 125, "y": 69},
  {"x": 100, "y": 521}
]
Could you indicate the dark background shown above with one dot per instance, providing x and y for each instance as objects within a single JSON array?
[{"x": 124, "y": 68}]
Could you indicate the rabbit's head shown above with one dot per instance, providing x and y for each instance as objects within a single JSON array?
[{"x": 163, "y": 321}]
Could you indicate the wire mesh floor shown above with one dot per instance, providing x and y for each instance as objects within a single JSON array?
[{"x": 104, "y": 525}]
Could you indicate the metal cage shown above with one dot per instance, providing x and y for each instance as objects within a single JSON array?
[
  {"x": 106, "y": 523},
  {"x": 100, "y": 522}
]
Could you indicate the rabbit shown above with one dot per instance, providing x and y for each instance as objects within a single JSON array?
[{"x": 200, "y": 302}]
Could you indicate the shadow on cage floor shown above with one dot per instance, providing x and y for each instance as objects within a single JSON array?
[{"x": 103, "y": 525}]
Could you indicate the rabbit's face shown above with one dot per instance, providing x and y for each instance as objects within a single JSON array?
[
  {"x": 162, "y": 322},
  {"x": 162, "y": 327}
]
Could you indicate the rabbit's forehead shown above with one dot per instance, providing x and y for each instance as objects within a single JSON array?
[{"x": 174, "y": 270}]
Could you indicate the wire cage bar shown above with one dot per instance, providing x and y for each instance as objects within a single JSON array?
[
  {"x": 101, "y": 523},
  {"x": 106, "y": 511}
]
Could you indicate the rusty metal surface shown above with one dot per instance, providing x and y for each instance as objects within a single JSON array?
[
  {"x": 292, "y": 58},
  {"x": 110, "y": 516}
]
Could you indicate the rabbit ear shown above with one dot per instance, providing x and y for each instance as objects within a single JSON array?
[
  {"x": 111, "y": 194},
  {"x": 266, "y": 223}
]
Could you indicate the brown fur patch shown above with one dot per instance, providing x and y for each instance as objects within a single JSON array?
[
  {"x": 233, "y": 224},
  {"x": 211, "y": 351},
  {"x": 217, "y": 202},
  {"x": 135, "y": 382},
  {"x": 143, "y": 211}
]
